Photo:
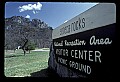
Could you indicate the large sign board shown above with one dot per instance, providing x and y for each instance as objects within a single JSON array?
[{"x": 85, "y": 43}]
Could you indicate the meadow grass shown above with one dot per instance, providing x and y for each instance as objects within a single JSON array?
[{"x": 16, "y": 64}]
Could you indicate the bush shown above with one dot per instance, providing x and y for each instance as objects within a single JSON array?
[{"x": 31, "y": 46}]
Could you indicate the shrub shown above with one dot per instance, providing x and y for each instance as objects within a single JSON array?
[{"x": 31, "y": 46}]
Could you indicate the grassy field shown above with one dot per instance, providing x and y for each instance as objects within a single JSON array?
[{"x": 16, "y": 64}]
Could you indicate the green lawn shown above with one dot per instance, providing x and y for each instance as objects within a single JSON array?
[{"x": 16, "y": 64}]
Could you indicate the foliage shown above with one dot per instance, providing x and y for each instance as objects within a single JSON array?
[
  {"x": 17, "y": 32},
  {"x": 31, "y": 46}
]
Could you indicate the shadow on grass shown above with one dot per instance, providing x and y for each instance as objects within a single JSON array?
[
  {"x": 45, "y": 73},
  {"x": 13, "y": 56}
]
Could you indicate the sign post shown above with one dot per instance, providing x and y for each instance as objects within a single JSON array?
[{"x": 85, "y": 43}]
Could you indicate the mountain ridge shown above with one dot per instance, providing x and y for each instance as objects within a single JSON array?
[
  {"x": 26, "y": 21},
  {"x": 36, "y": 31}
]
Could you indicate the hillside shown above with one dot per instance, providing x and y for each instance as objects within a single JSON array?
[{"x": 18, "y": 29}]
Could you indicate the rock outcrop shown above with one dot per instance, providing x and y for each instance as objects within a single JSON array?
[{"x": 36, "y": 30}]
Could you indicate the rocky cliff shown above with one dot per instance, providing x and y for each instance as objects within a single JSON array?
[{"x": 18, "y": 27}]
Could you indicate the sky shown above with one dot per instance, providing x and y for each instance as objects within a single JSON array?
[{"x": 52, "y": 13}]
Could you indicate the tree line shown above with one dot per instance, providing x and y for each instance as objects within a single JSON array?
[{"x": 26, "y": 37}]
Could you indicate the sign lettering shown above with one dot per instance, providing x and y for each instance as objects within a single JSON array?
[{"x": 85, "y": 43}]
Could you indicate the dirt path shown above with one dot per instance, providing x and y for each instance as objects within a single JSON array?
[{"x": 40, "y": 50}]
